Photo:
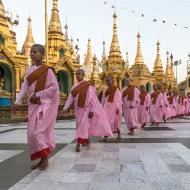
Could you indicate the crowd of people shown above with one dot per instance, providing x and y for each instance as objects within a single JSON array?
[{"x": 97, "y": 114}]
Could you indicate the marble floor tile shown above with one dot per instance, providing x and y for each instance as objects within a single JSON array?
[
  {"x": 106, "y": 177},
  {"x": 79, "y": 168},
  {"x": 6, "y": 154},
  {"x": 104, "y": 186},
  {"x": 135, "y": 186}
]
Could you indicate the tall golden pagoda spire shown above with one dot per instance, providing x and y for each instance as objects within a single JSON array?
[
  {"x": 2, "y": 9},
  {"x": 88, "y": 58},
  {"x": 158, "y": 69},
  {"x": 95, "y": 76},
  {"x": 29, "y": 41},
  {"x": 55, "y": 24},
  {"x": 115, "y": 43},
  {"x": 139, "y": 57},
  {"x": 104, "y": 57},
  {"x": 6, "y": 33},
  {"x": 3, "y": 19},
  {"x": 168, "y": 71},
  {"x": 127, "y": 61},
  {"x": 114, "y": 58},
  {"x": 95, "y": 70},
  {"x": 158, "y": 62},
  {"x": 172, "y": 70}
]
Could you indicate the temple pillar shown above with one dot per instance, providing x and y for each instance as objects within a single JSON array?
[{"x": 17, "y": 79}]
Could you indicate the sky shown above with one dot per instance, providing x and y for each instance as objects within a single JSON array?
[{"x": 94, "y": 19}]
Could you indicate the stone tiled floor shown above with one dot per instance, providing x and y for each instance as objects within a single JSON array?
[
  {"x": 114, "y": 166},
  {"x": 110, "y": 166}
]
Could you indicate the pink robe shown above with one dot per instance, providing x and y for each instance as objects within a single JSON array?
[
  {"x": 165, "y": 108},
  {"x": 186, "y": 106},
  {"x": 188, "y": 99},
  {"x": 156, "y": 112},
  {"x": 142, "y": 112},
  {"x": 172, "y": 108},
  {"x": 111, "y": 108},
  {"x": 41, "y": 118},
  {"x": 130, "y": 114},
  {"x": 180, "y": 106},
  {"x": 86, "y": 127}
]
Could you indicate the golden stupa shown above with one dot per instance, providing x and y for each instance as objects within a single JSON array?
[{"x": 64, "y": 58}]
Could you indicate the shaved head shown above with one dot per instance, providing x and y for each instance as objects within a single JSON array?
[
  {"x": 40, "y": 47},
  {"x": 128, "y": 81},
  {"x": 142, "y": 88},
  {"x": 109, "y": 81},
  {"x": 80, "y": 71},
  {"x": 80, "y": 75}
]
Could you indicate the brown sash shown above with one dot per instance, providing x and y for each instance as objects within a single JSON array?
[
  {"x": 170, "y": 99},
  {"x": 154, "y": 96},
  {"x": 81, "y": 89},
  {"x": 180, "y": 101},
  {"x": 129, "y": 92},
  {"x": 110, "y": 92},
  {"x": 142, "y": 97},
  {"x": 40, "y": 76},
  {"x": 163, "y": 91}
]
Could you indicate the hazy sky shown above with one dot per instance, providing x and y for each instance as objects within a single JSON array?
[{"x": 92, "y": 19}]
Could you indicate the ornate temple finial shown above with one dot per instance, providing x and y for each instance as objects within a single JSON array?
[
  {"x": 168, "y": 71},
  {"x": 29, "y": 41},
  {"x": 158, "y": 47},
  {"x": 66, "y": 32},
  {"x": 139, "y": 57},
  {"x": 127, "y": 60},
  {"x": 115, "y": 58},
  {"x": 115, "y": 44},
  {"x": 55, "y": 25},
  {"x": 171, "y": 58},
  {"x": 158, "y": 69},
  {"x": 104, "y": 57},
  {"x": 94, "y": 71},
  {"x": 2, "y": 9},
  {"x": 158, "y": 62},
  {"x": 172, "y": 68},
  {"x": 88, "y": 57}
]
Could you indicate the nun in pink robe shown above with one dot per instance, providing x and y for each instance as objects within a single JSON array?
[
  {"x": 41, "y": 118},
  {"x": 188, "y": 99},
  {"x": 143, "y": 107},
  {"x": 186, "y": 105},
  {"x": 112, "y": 106},
  {"x": 95, "y": 125},
  {"x": 165, "y": 108},
  {"x": 156, "y": 107},
  {"x": 171, "y": 106},
  {"x": 111, "y": 109},
  {"x": 130, "y": 106}
]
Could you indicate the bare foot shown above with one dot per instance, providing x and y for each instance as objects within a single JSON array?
[
  {"x": 118, "y": 140},
  {"x": 44, "y": 164},
  {"x": 77, "y": 148},
  {"x": 143, "y": 125},
  {"x": 131, "y": 132},
  {"x": 36, "y": 165}
]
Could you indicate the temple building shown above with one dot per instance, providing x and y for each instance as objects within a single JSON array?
[
  {"x": 117, "y": 67},
  {"x": 88, "y": 61},
  {"x": 139, "y": 71},
  {"x": 64, "y": 58},
  {"x": 114, "y": 64},
  {"x": 13, "y": 64}
]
